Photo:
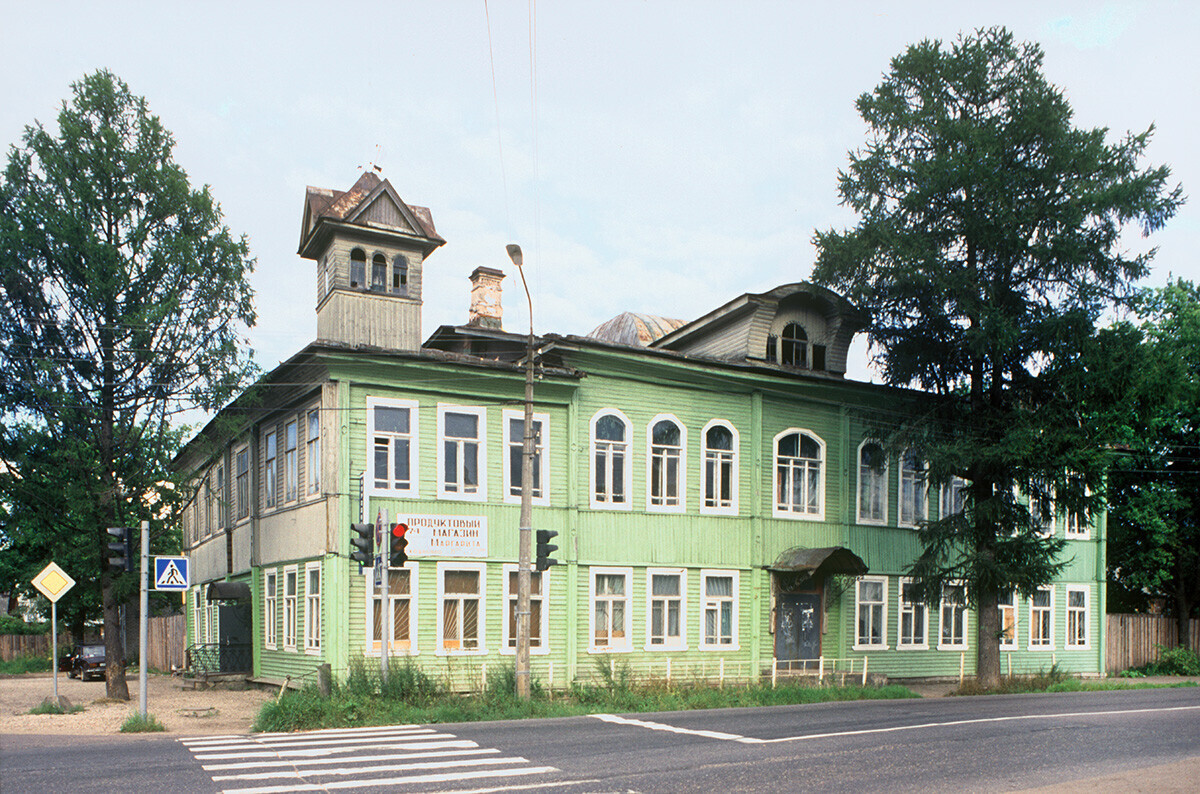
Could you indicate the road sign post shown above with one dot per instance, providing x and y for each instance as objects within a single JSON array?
[{"x": 53, "y": 582}]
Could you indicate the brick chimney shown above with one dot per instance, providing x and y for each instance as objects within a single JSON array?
[{"x": 486, "y": 311}]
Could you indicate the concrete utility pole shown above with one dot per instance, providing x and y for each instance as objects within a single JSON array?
[{"x": 525, "y": 539}]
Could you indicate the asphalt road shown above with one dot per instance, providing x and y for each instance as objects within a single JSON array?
[{"x": 997, "y": 743}]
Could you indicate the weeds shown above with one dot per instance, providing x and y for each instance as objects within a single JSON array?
[
  {"x": 1171, "y": 661},
  {"x": 136, "y": 723},
  {"x": 48, "y": 706},
  {"x": 26, "y": 663}
]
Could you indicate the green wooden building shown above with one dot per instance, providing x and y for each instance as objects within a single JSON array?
[{"x": 721, "y": 512}]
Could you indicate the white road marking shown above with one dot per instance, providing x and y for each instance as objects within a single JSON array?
[
  {"x": 346, "y": 760},
  {"x": 397, "y": 781},
  {"x": 313, "y": 752},
  {"x": 733, "y": 737},
  {"x": 425, "y": 765}
]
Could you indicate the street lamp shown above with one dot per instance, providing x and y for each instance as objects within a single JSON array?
[{"x": 525, "y": 530}]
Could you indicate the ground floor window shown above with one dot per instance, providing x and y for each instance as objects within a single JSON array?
[
  {"x": 537, "y": 626},
  {"x": 270, "y": 608},
  {"x": 312, "y": 607},
  {"x": 665, "y": 627},
  {"x": 1007, "y": 603},
  {"x": 610, "y": 610},
  {"x": 290, "y": 585},
  {"x": 460, "y": 609},
  {"x": 870, "y": 612},
  {"x": 197, "y": 637},
  {"x": 1041, "y": 619},
  {"x": 954, "y": 618},
  {"x": 913, "y": 634},
  {"x": 399, "y": 614},
  {"x": 719, "y": 610},
  {"x": 1077, "y": 617}
]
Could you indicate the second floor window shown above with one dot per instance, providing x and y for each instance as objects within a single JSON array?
[
  {"x": 291, "y": 464},
  {"x": 610, "y": 449},
  {"x": 393, "y": 439},
  {"x": 798, "y": 474},
  {"x": 912, "y": 489},
  {"x": 313, "y": 462},
  {"x": 666, "y": 456},
  {"x": 243, "y": 482},
  {"x": 271, "y": 460},
  {"x": 720, "y": 469},
  {"x": 872, "y": 484},
  {"x": 358, "y": 268},
  {"x": 514, "y": 426},
  {"x": 462, "y": 453},
  {"x": 378, "y": 273}
]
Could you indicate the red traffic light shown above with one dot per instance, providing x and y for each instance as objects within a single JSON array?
[
  {"x": 398, "y": 530},
  {"x": 398, "y": 546}
]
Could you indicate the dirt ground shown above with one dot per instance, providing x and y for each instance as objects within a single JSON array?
[{"x": 184, "y": 712}]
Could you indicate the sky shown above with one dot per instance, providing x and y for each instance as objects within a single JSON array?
[{"x": 656, "y": 157}]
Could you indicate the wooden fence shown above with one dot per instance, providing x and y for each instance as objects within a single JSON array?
[
  {"x": 166, "y": 642},
  {"x": 1132, "y": 639}
]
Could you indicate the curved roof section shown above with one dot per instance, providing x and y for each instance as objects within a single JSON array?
[{"x": 636, "y": 330}]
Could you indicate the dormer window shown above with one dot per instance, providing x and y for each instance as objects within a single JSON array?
[
  {"x": 358, "y": 268},
  {"x": 378, "y": 273},
  {"x": 793, "y": 346},
  {"x": 400, "y": 275}
]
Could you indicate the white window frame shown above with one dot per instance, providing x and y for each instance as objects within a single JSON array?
[
  {"x": 312, "y": 452},
  {"x": 943, "y": 605},
  {"x": 541, "y": 454},
  {"x": 291, "y": 461},
  {"x": 916, "y": 481},
  {"x": 882, "y": 484},
  {"x": 442, "y": 569},
  {"x": 1034, "y": 622},
  {"x": 290, "y": 607},
  {"x": 718, "y": 509},
  {"x": 413, "y": 490},
  {"x": 905, "y": 607},
  {"x": 241, "y": 495},
  {"x": 312, "y": 609},
  {"x": 1014, "y": 608},
  {"x": 708, "y": 602},
  {"x": 1076, "y": 526},
  {"x": 271, "y": 609},
  {"x": 1048, "y": 529},
  {"x": 625, "y": 644},
  {"x": 197, "y": 616},
  {"x": 1080, "y": 616},
  {"x": 946, "y": 496},
  {"x": 789, "y": 510},
  {"x": 680, "y": 456},
  {"x": 607, "y": 503},
  {"x": 481, "y": 491},
  {"x": 211, "y": 620},
  {"x": 271, "y": 468},
  {"x": 395, "y": 648},
  {"x": 507, "y": 640},
  {"x": 669, "y": 643},
  {"x": 859, "y": 645}
]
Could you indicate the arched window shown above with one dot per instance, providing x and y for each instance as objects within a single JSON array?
[
  {"x": 378, "y": 273},
  {"x": 610, "y": 459},
  {"x": 793, "y": 346},
  {"x": 912, "y": 489},
  {"x": 400, "y": 275},
  {"x": 799, "y": 474},
  {"x": 872, "y": 484},
  {"x": 358, "y": 268},
  {"x": 720, "y": 469},
  {"x": 666, "y": 464}
]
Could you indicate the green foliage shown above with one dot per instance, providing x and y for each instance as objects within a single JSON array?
[
  {"x": 48, "y": 706},
  {"x": 14, "y": 625},
  {"x": 1171, "y": 661},
  {"x": 136, "y": 723},
  {"x": 986, "y": 250},
  {"x": 25, "y": 663}
]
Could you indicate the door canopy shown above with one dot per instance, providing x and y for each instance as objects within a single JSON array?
[{"x": 818, "y": 563}]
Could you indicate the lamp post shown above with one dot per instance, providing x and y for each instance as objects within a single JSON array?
[{"x": 525, "y": 531}]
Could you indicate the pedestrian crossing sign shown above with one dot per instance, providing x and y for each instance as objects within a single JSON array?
[{"x": 171, "y": 573}]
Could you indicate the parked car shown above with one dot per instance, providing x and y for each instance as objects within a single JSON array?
[{"x": 87, "y": 661}]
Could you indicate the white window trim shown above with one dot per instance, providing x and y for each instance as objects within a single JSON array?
[
  {"x": 481, "y": 493},
  {"x": 627, "y": 481},
  {"x": 883, "y": 644},
  {"x": 1084, "y": 522},
  {"x": 681, "y": 485},
  {"x": 295, "y": 618},
  {"x": 370, "y": 647},
  {"x": 237, "y": 507},
  {"x": 923, "y": 644},
  {"x": 704, "y": 576},
  {"x": 1032, "y": 623},
  {"x": 270, "y": 483},
  {"x": 307, "y": 491},
  {"x": 413, "y": 491},
  {"x": 481, "y": 568},
  {"x": 858, "y": 485},
  {"x": 923, "y": 473},
  {"x": 197, "y": 616},
  {"x": 311, "y": 647},
  {"x": 271, "y": 598},
  {"x": 544, "y": 420},
  {"x": 943, "y": 492},
  {"x": 776, "y": 510},
  {"x": 1016, "y": 609},
  {"x": 291, "y": 474},
  {"x": 680, "y": 644},
  {"x": 732, "y": 510},
  {"x": 966, "y": 632},
  {"x": 1086, "y": 645},
  {"x": 626, "y": 644},
  {"x": 507, "y": 570}
]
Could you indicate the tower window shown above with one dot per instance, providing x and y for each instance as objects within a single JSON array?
[
  {"x": 358, "y": 268},
  {"x": 793, "y": 347},
  {"x": 378, "y": 273},
  {"x": 400, "y": 275}
]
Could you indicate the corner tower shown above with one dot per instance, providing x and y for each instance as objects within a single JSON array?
[{"x": 370, "y": 249}]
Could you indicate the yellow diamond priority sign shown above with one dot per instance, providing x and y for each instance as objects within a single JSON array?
[{"x": 53, "y": 582}]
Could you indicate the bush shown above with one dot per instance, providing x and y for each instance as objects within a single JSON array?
[
  {"x": 138, "y": 724},
  {"x": 26, "y": 663},
  {"x": 1175, "y": 661},
  {"x": 14, "y": 625}
]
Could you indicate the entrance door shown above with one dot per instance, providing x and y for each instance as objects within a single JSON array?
[{"x": 797, "y": 626}]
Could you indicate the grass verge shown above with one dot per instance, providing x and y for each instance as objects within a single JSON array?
[
  {"x": 50, "y": 707},
  {"x": 1054, "y": 680},
  {"x": 25, "y": 663},
  {"x": 411, "y": 696},
  {"x": 138, "y": 724}
]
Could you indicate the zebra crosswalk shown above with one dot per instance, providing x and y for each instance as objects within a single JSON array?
[{"x": 357, "y": 758}]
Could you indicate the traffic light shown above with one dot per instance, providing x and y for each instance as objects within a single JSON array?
[
  {"x": 121, "y": 549},
  {"x": 544, "y": 549},
  {"x": 399, "y": 544},
  {"x": 362, "y": 538}
]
